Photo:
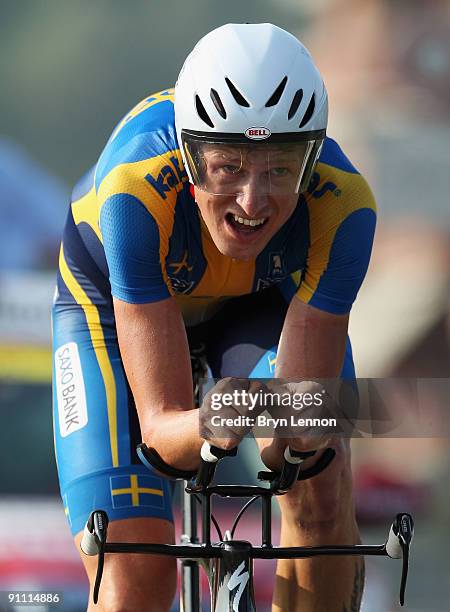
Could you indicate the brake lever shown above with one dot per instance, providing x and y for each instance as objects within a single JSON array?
[
  {"x": 290, "y": 470},
  {"x": 209, "y": 457},
  {"x": 398, "y": 545},
  {"x": 100, "y": 530},
  {"x": 315, "y": 469},
  {"x": 93, "y": 543},
  {"x": 406, "y": 531}
]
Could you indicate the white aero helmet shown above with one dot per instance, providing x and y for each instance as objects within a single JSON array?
[{"x": 249, "y": 102}]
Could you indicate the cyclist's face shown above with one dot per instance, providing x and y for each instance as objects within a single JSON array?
[{"x": 264, "y": 210}]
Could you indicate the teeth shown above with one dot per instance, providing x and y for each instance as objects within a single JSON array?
[{"x": 251, "y": 222}]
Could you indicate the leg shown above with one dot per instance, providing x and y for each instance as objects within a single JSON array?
[
  {"x": 134, "y": 582},
  {"x": 96, "y": 432},
  {"x": 317, "y": 512}
]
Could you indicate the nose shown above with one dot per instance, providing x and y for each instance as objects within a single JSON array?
[{"x": 251, "y": 199}]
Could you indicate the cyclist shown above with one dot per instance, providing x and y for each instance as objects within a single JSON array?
[{"x": 220, "y": 215}]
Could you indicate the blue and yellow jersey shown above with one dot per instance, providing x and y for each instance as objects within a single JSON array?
[{"x": 135, "y": 232}]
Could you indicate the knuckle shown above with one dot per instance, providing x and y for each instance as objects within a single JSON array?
[{"x": 228, "y": 443}]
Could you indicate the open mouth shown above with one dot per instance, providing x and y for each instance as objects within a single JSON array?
[{"x": 246, "y": 226}]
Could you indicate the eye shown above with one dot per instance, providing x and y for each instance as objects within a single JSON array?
[
  {"x": 279, "y": 172},
  {"x": 230, "y": 169}
]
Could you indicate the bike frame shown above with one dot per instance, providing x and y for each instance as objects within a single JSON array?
[
  {"x": 229, "y": 563},
  {"x": 190, "y": 575},
  {"x": 234, "y": 568}
]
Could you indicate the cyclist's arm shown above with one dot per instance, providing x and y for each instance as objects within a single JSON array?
[
  {"x": 136, "y": 224},
  {"x": 314, "y": 334},
  {"x": 315, "y": 330},
  {"x": 155, "y": 354},
  {"x": 312, "y": 343}
]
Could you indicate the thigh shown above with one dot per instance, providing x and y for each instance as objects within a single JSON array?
[
  {"x": 95, "y": 423},
  {"x": 243, "y": 338}
]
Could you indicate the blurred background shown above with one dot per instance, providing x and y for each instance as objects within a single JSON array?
[{"x": 68, "y": 73}]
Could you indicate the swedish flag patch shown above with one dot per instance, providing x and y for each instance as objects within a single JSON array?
[{"x": 136, "y": 490}]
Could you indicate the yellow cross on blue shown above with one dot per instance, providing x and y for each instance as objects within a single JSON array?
[
  {"x": 136, "y": 490},
  {"x": 272, "y": 357}
]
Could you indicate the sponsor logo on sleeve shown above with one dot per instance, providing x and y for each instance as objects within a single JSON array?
[
  {"x": 70, "y": 390},
  {"x": 318, "y": 189},
  {"x": 170, "y": 177}
]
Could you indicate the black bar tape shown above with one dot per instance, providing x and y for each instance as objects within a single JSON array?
[
  {"x": 315, "y": 469},
  {"x": 151, "y": 458}
]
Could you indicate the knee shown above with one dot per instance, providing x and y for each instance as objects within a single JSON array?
[
  {"x": 133, "y": 582},
  {"x": 323, "y": 502},
  {"x": 149, "y": 591}
]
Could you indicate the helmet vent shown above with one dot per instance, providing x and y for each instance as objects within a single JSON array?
[
  {"x": 236, "y": 94},
  {"x": 201, "y": 111},
  {"x": 295, "y": 103},
  {"x": 309, "y": 111},
  {"x": 218, "y": 103},
  {"x": 275, "y": 97}
]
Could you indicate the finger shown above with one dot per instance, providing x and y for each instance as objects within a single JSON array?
[
  {"x": 309, "y": 443},
  {"x": 229, "y": 423},
  {"x": 220, "y": 438}
]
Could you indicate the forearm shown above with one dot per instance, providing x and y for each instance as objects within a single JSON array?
[
  {"x": 312, "y": 343},
  {"x": 174, "y": 434},
  {"x": 155, "y": 354}
]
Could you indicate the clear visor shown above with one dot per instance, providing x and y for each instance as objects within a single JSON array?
[{"x": 264, "y": 168}]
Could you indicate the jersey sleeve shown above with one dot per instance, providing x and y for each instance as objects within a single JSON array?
[
  {"x": 342, "y": 227},
  {"x": 132, "y": 243},
  {"x": 136, "y": 215}
]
